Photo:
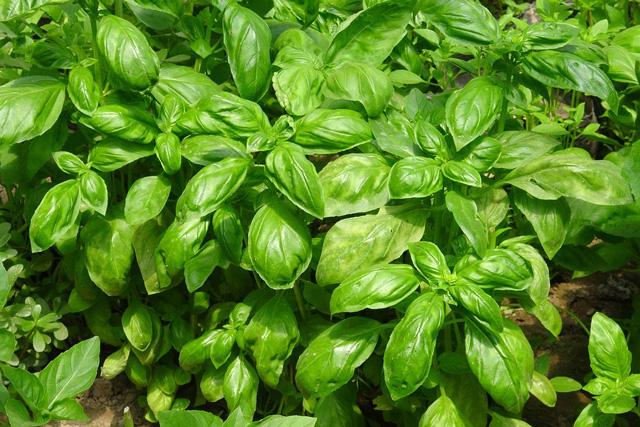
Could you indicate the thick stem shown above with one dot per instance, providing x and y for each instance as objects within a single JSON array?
[
  {"x": 300, "y": 300},
  {"x": 119, "y": 10}
]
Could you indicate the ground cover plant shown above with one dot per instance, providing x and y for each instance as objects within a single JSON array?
[{"x": 301, "y": 213}]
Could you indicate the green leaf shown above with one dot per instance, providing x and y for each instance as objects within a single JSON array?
[
  {"x": 83, "y": 90},
  {"x": 394, "y": 133},
  {"x": 622, "y": 64},
  {"x": 443, "y": 413},
  {"x": 17, "y": 414},
  {"x": 282, "y": 421},
  {"x": 108, "y": 253},
  {"x": 568, "y": 71},
  {"x": 28, "y": 386},
  {"x": 146, "y": 199},
  {"x": 29, "y": 107},
  {"x": 614, "y": 402},
  {"x": 130, "y": 123},
  {"x": 241, "y": 386},
  {"x": 493, "y": 206},
  {"x": 355, "y": 183},
  {"x": 472, "y": 110},
  {"x": 481, "y": 154},
  {"x": 608, "y": 351},
  {"x": 212, "y": 383},
  {"x": 55, "y": 215},
  {"x": 271, "y": 336},
  {"x": 158, "y": 15},
  {"x": 361, "y": 83},
  {"x": 549, "y": 35},
  {"x": 407, "y": 358},
  {"x": 374, "y": 288},
  {"x": 210, "y": 187},
  {"x": 199, "y": 267},
  {"x": 247, "y": 40},
  {"x": 502, "y": 363},
  {"x": 356, "y": 243},
  {"x": 414, "y": 177},
  {"x": 68, "y": 163},
  {"x": 501, "y": 269},
  {"x": 168, "y": 152},
  {"x": 429, "y": 261},
  {"x": 228, "y": 231},
  {"x": 188, "y": 418},
  {"x": 5, "y": 288},
  {"x": 550, "y": 220},
  {"x": 177, "y": 245},
  {"x": 465, "y": 212},
  {"x": 331, "y": 131},
  {"x": 339, "y": 409},
  {"x": 542, "y": 388},
  {"x": 467, "y": 394},
  {"x": 206, "y": 149},
  {"x": 68, "y": 409},
  {"x": 17, "y": 8},
  {"x": 72, "y": 372},
  {"x": 94, "y": 192},
  {"x": 299, "y": 88},
  {"x": 331, "y": 358},
  {"x": 137, "y": 326},
  {"x": 371, "y": 35},
  {"x": 521, "y": 147},
  {"x": 565, "y": 384},
  {"x": 572, "y": 174},
  {"x": 483, "y": 309},
  {"x": 279, "y": 245},
  {"x": 462, "y": 173},
  {"x": 115, "y": 363},
  {"x": 289, "y": 170},
  {"x": 592, "y": 417},
  {"x": 498, "y": 420},
  {"x": 127, "y": 52},
  {"x": 112, "y": 154},
  {"x": 187, "y": 85},
  {"x": 465, "y": 21}
]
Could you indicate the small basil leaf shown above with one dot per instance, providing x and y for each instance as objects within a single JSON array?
[
  {"x": 168, "y": 152},
  {"x": 93, "y": 191},
  {"x": 146, "y": 199},
  {"x": 83, "y": 90},
  {"x": 465, "y": 212},
  {"x": 241, "y": 386},
  {"x": 112, "y": 154},
  {"x": 462, "y": 173},
  {"x": 443, "y": 412},
  {"x": 55, "y": 215},
  {"x": 484, "y": 309},
  {"x": 136, "y": 323},
  {"x": 68, "y": 163},
  {"x": 228, "y": 231},
  {"x": 206, "y": 149}
]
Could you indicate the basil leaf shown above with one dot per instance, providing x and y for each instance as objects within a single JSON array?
[
  {"x": 483, "y": 309},
  {"x": 542, "y": 388},
  {"x": 462, "y": 173},
  {"x": 549, "y": 35},
  {"x": 68, "y": 163},
  {"x": 198, "y": 268},
  {"x": 472, "y": 110},
  {"x": 210, "y": 187},
  {"x": 124, "y": 122},
  {"x": 108, "y": 253},
  {"x": 83, "y": 90},
  {"x": 339, "y": 409},
  {"x": 115, "y": 363},
  {"x": 187, "y": 85},
  {"x": 206, "y": 149},
  {"x": 271, "y": 336},
  {"x": 429, "y": 261},
  {"x": 127, "y": 52},
  {"x": 572, "y": 174},
  {"x": 493, "y": 206},
  {"x": 394, "y": 133},
  {"x": 375, "y": 288},
  {"x": 481, "y": 154},
  {"x": 371, "y": 35},
  {"x": 27, "y": 386},
  {"x": 622, "y": 64},
  {"x": 608, "y": 352},
  {"x": 361, "y": 83},
  {"x": 331, "y": 131},
  {"x": 247, "y": 40},
  {"x": 93, "y": 191},
  {"x": 5, "y": 288},
  {"x": 168, "y": 152},
  {"x": 112, "y": 154},
  {"x": 465, "y": 212},
  {"x": 443, "y": 412},
  {"x": 175, "y": 418},
  {"x": 407, "y": 358},
  {"x": 279, "y": 245},
  {"x": 55, "y": 215},
  {"x": 502, "y": 363},
  {"x": 591, "y": 417},
  {"x": 331, "y": 358},
  {"x": 414, "y": 177},
  {"x": 567, "y": 71},
  {"x": 355, "y": 183},
  {"x": 18, "y": 8},
  {"x": 228, "y": 230},
  {"x": 282, "y": 421},
  {"x": 498, "y": 420},
  {"x": 299, "y": 89},
  {"x": 212, "y": 383},
  {"x": 158, "y": 15},
  {"x": 520, "y": 147},
  {"x": 29, "y": 107},
  {"x": 467, "y": 395},
  {"x": 356, "y": 243},
  {"x": 466, "y": 21},
  {"x": 501, "y": 269},
  {"x": 241, "y": 386},
  {"x": 146, "y": 199},
  {"x": 137, "y": 326},
  {"x": 177, "y": 245}
]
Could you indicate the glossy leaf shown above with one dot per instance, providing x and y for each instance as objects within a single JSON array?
[
  {"x": 125, "y": 122},
  {"x": 183, "y": 82},
  {"x": 112, "y": 154},
  {"x": 500, "y": 269},
  {"x": 55, "y": 215},
  {"x": 465, "y": 212},
  {"x": 608, "y": 352},
  {"x": 299, "y": 89},
  {"x": 467, "y": 22},
  {"x": 443, "y": 412},
  {"x": 176, "y": 418},
  {"x": 361, "y": 83},
  {"x": 429, "y": 261},
  {"x": 241, "y": 386},
  {"x": 462, "y": 173},
  {"x": 228, "y": 231},
  {"x": 136, "y": 323},
  {"x": 414, "y": 177},
  {"x": 168, "y": 152},
  {"x": 206, "y": 149},
  {"x": 83, "y": 90},
  {"x": 520, "y": 147},
  {"x": 199, "y": 267},
  {"x": 331, "y": 131},
  {"x": 94, "y": 192},
  {"x": 476, "y": 302},
  {"x": 146, "y": 199}
]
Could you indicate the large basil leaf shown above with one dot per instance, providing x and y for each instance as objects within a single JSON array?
[
  {"x": 572, "y": 174},
  {"x": 414, "y": 177},
  {"x": 481, "y": 154},
  {"x": 247, "y": 40},
  {"x": 520, "y": 147},
  {"x": 483, "y": 309},
  {"x": 608, "y": 352},
  {"x": 375, "y": 288},
  {"x": 127, "y": 52},
  {"x": 29, "y": 106},
  {"x": 55, "y": 215},
  {"x": 108, "y": 253},
  {"x": 465, "y": 21},
  {"x": 500, "y": 269},
  {"x": 331, "y": 131},
  {"x": 206, "y": 149},
  {"x": 299, "y": 89},
  {"x": 146, "y": 198},
  {"x": 502, "y": 363},
  {"x": 568, "y": 71},
  {"x": 356, "y": 243},
  {"x": 371, "y": 35},
  {"x": 467, "y": 394},
  {"x": 331, "y": 358},
  {"x": 443, "y": 413},
  {"x": 549, "y": 35},
  {"x": 241, "y": 386},
  {"x": 549, "y": 218},
  {"x": 271, "y": 335},
  {"x": 289, "y": 170},
  {"x": 112, "y": 154},
  {"x": 361, "y": 83},
  {"x": 472, "y": 110},
  {"x": 72, "y": 372},
  {"x": 407, "y": 358},
  {"x": 125, "y": 122},
  {"x": 465, "y": 212},
  {"x": 279, "y": 245},
  {"x": 83, "y": 90},
  {"x": 183, "y": 82},
  {"x": 210, "y": 187}
]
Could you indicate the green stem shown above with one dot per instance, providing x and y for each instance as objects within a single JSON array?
[
  {"x": 505, "y": 102},
  {"x": 128, "y": 419},
  {"x": 96, "y": 55},
  {"x": 119, "y": 11},
  {"x": 300, "y": 300},
  {"x": 574, "y": 317}
]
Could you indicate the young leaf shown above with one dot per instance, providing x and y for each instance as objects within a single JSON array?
[
  {"x": 462, "y": 173},
  {"x": 228, "y": 230},
  {"x": 407, "y": 358},
  {"x": 279, "y": 245},
  {"x": 130, "y": 123},
  {"x": 112, "y": 154},
  {"x": 429, "y": 260},
  {"x": 168, "y": 152},
  {"x": 443, "y": 412},
  {"x": 177, "y": 245},
  {"x": 146, "y": 199},
  {"x": 68, "y": 163},
  {"x": 83, "y": 90},
  {"x": 542, "y": 388},
  {"x": 414, "y": 177},
  {"x": 608, "y": 351},
  {"x": 500, "y": 269},
  {"x": 55, "y": 215},
  {"x": 93, "y": 191},
  {"x": 330, "y": 359},
  {"x": 482, "y": 308},
  {"x": 137, "y": 326},
  {"x": 299, "y": 88},
  {"x": 465, "y": 212},
  {"x": 591, "y": 417},
  {"x": 199, "y": 267},
  {"x": 241, "y": 386}
]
